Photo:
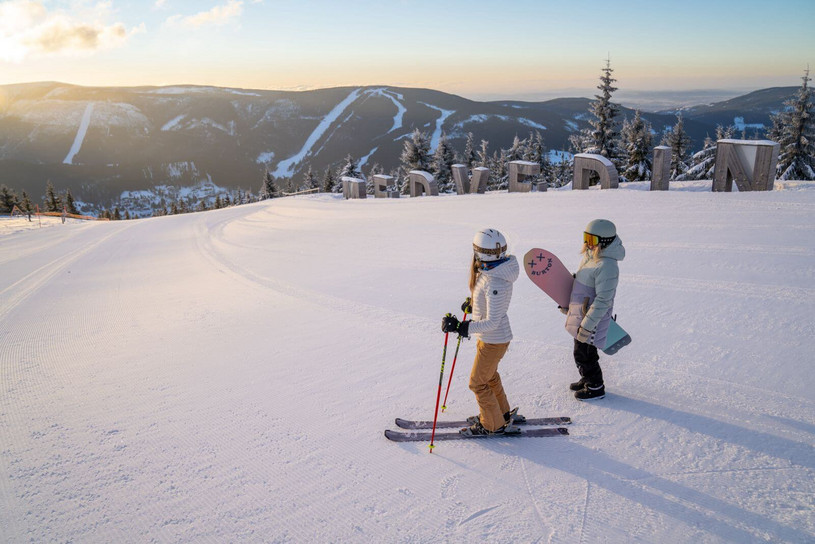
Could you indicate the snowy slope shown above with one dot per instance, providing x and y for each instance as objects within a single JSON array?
[{"x": 226, "y": 376}]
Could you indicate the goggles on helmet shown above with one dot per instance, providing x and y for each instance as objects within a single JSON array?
[
  {"x": 594, "y": 240},
  {"x": 591, "y": 239}
]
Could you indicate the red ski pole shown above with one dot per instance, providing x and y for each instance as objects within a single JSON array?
[
  {"x": 438, "y": 395},
  {"x": 452, "y": 369}
]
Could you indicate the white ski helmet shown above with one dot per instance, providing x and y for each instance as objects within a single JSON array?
[
  {"x": 489, "y": 245},
  {"x": 604, "y": 230}
]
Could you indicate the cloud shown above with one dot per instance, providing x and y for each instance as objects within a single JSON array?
[
  {"x": 218, "y": 15},
  {"x": 28, "y": 28}
]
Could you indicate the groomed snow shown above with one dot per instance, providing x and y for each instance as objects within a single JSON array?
[{"x": 226, "y": 376}]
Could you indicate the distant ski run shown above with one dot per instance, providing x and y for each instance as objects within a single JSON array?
[
  {"x": 284, "y": 167},
  {"x": 80, "y": 134}
]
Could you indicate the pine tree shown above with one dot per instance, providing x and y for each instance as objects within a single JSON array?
[
  {"x": 483, "y": 155},
  {"x": 636, "y": 137},
  {"x": 328, "y": 181},
  {"x": 53, "y": 203},
  {"x": 795, "y": 131},
  {"x": 268, "y": 189},
  {"x": 602, "y": 138},
  {"x": 470, "y": 153},
  {"x": 416, "y": 152},
  {"x": 26, "y": 205},
  {"x": 70, "y": 205},
  {"x": 703, "y": 163},
  {"x": 310, "y": 180},
  {"x": 443, "y": 158},
  {"x": 7, "y": 199},
  {"x": 678, "y": 140},
  {"x": 516, "y": 151},
  {"x": 350, "y": 169}
]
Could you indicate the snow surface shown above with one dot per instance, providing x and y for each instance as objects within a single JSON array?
[
  {"x": 226, "y": 376},
  {"x": 80, "y": 134},
  {"x": 443, "y": 115}
]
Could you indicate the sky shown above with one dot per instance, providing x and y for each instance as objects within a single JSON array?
[{"x": 473, "y": 48}]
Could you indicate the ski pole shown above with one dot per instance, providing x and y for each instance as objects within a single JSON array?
[
  {"x": 452, "y": 369},
  {"x": 438, "y": 395}
]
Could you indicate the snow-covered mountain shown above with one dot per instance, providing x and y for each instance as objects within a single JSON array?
[
  {"x": 102, "y": 141},
  {"x": 227, "y": 376}
]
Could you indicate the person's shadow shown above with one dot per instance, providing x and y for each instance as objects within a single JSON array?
[{"x": 692, "y": 507}]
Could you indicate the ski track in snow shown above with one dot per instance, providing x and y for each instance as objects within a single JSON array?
[
  {"x": 80, "y": 134},
  {"x": 444, "y": 114},
  {"x": 284, "y": 167},
  {"x": 149, "y": 370}
]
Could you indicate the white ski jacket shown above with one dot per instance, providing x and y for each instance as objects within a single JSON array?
[{"x": 491, "y": 297}]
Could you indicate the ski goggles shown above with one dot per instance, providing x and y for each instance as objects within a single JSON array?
[{"x": 591, "y": 239}]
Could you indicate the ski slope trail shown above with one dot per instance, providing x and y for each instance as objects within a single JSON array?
[
  {"x": 227, "y": 375},
  {"x": 80, "y": 134}
]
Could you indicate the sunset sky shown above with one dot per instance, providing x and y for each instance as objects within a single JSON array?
[{"x": 473, "y": 48}]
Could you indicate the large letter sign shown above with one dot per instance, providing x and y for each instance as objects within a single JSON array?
[
  {"x": 522, "y": 168},
  {"x": 465, "y": 184},
  {"x": 381, "y": 183},
  {"x": 586, "y": 163},
  {"x": 422, "y": 182},
  {"x": 750, "y": 163},
  {"x": 661, "y": 173},
  {"x": 353, "y": 187}
]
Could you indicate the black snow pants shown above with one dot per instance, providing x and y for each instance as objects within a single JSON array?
[{"x": 588, "y": 363}]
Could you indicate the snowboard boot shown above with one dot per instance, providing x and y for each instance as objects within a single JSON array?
[
  {"x": 590, "y": 392},
  {"x": 578, "y": 385}
]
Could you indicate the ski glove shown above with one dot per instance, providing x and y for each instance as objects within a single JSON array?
[
  {"x": 449, "y": 323},
  {"x": 467, "y": 307},
  {"x": 584, "y": 336},
  {"x": 564, "y": 311}
]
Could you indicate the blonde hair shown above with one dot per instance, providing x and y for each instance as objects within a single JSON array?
[
  {"x": 475, "y": 269},
  {"x": 595, "y": 253}
]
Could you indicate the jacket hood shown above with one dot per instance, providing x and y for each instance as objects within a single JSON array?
[
  {"x": 507, "y": 271},
  {"x": 615, "y": 250}
]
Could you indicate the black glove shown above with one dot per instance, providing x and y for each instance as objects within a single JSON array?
[
  {"x": 467, "y": 307},
  {"x": 449, "y": 323}
]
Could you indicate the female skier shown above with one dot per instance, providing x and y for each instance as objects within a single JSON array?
[
  {"x": 491, "y": 276},
  {"x": 591, "y": 304}
]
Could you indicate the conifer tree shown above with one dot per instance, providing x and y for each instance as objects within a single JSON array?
[
  {"x": 53, "y": 203},
  {"x": 328, "y": 181},
  {"x": 636, "y": 137},
  {"x": 678, "y": 140},
  {"x": 602, "y": 138},
  {"x": 470, "y": 153},
  {"x": 268, "y": 188},
  {"x": 7, "y": 199},
  {"x": 703, "y": 163},
  {"x": 70, "y": 205},
  {"x": 26, "y": 204},
  {"x": 443, "y": 158},
  {"x": 795, "y": 131},
  {"x": 310, "y": 180},
  {"x": 483, "y": 155},
  {"x": 350, "y": 169},
  {"x": 416, "y": 152}
]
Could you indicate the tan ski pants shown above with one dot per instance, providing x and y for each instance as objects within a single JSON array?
[{"x": 486, "y": 384}]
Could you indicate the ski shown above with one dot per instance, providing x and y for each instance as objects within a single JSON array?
[
  {"x": 423, "y": 436},
  {"x": 408, "y": 424}
]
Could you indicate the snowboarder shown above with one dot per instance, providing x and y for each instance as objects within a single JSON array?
[
  {"x": 591, "y": 303},
  {"x": 492, "y": 273}
]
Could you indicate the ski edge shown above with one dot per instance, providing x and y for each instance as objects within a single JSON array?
[
  {"x": 411, "y": 424},
  {"x": 397, "y": 436}
]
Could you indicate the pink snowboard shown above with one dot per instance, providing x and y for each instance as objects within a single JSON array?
[{"x": 547, "y": 272}]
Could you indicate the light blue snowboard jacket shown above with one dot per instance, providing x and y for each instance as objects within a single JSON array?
[{"x": 592, "y": 299}]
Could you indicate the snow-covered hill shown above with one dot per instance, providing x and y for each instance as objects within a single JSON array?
[
  {"x": 227, "y": 376},
  {"x": 102, "y": 141}
]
